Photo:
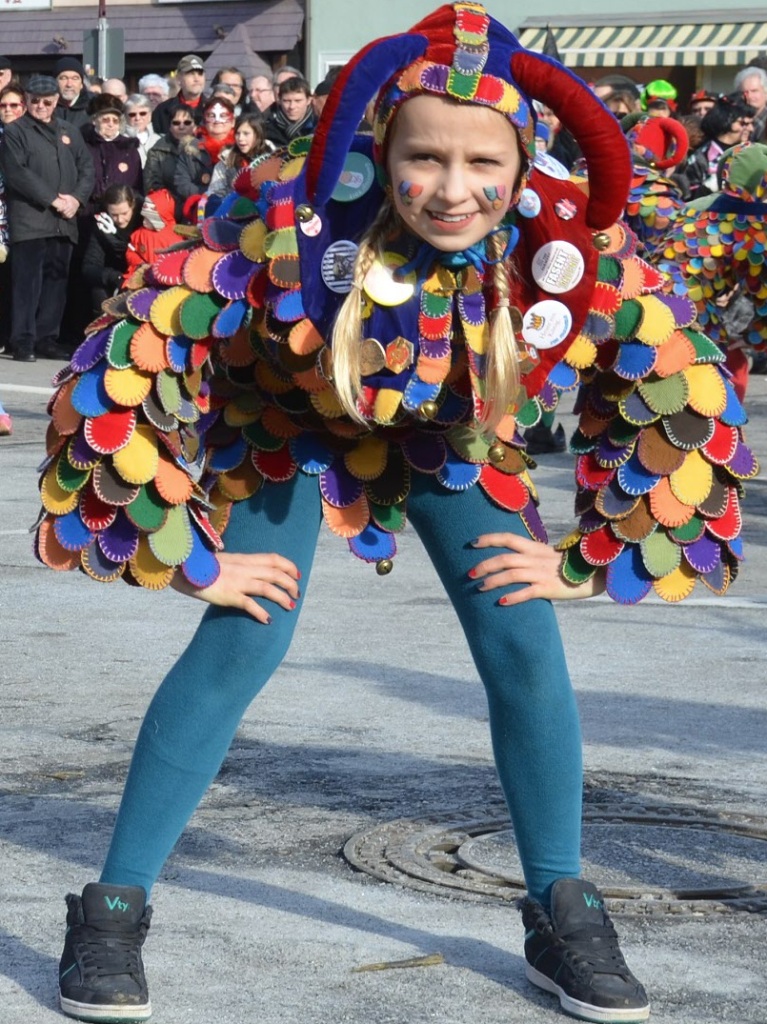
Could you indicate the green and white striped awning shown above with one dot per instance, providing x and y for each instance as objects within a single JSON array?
[{"x": 709, "y": 45}]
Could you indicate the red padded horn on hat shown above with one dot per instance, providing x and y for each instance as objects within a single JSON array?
[
  {"x": 595, "y": 129},
  {"x": 356, "y": 85},
  {"x": 666, "y": 140}
]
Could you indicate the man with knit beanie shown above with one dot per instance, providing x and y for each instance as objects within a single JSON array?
[{"x": 73, "y": 96}]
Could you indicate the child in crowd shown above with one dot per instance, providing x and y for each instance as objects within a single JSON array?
[
  {"x": 157, "y": 233},
  {"x": 105, "y": 258},
  {"x": 249, "y": 143}
]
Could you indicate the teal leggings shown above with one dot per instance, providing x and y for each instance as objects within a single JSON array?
[{"x": 518, "y": 652}]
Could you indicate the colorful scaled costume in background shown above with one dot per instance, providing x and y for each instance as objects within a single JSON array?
[
  {"x": 216, "y": 405},
  {"x": 657, "y": 144},
  {"x": 715, "y": 253}
]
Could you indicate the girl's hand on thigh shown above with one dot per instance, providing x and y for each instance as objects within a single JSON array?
[
  {"x": 528, "y": 562},
  {"x": 244, "y": 577}
]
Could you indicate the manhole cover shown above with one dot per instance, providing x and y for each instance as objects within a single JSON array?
[{"x": 646, "y": 859}]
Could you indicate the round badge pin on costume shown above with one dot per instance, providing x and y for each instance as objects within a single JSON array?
[{"x": 376, "y": 371}]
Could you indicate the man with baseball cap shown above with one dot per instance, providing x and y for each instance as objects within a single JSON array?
[
  {"x": 48, "y": 175},
  {"x": 191, "y": 76},
  {"x": 73, "y": 102}
]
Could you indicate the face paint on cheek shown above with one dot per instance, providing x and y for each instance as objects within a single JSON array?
[
  {"x": 496, "y": 194},
  {"x": 408, "y": 192}
]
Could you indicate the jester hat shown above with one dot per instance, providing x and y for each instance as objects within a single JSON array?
[
  {"x": 742, "y": 172},
  {"x": 461, "y": 52},
  {"x": 660, "y": 142}
]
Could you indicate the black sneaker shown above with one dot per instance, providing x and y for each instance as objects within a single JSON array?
[
  {"x": 541, "y": 440},
  {"x": 574, "y": 954},
  {"x": 101, "y": 976}
]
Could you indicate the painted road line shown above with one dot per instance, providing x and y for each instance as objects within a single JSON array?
[{"x": 25, "y": 389}]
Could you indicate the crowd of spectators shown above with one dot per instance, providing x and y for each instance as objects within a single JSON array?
[
  {"x": 713, "y": 122},
  {"x": 95, "y": 178}
]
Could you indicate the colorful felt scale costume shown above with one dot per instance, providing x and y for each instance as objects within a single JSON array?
[
  {"x": 718, "y": 244},
  {"x": 657, "y": 144},
  {"x": 215, "y": 377}
]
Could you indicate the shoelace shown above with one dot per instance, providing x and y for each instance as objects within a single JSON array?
[
  {"x": 591, "y": 948},
  {"x": 595, "y": 946},
  {"x": 117, "y": 956}
]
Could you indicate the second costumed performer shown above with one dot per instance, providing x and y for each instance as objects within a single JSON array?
[{"x": 359, "y": 334}]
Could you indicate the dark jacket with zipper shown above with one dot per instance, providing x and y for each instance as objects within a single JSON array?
[
  {"x": 193, "y": 169},
  {"x": 104, "y": 262},
  {"x": 281, "y": 132},
  {"x": 160, "y": 166},
  {"x": 39, "y": 162},
  {"x": 115, "y": 162},
  {"x": 77, "y": 114}
]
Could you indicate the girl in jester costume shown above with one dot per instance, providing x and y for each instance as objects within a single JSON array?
[{"x": 359, "y": 335}]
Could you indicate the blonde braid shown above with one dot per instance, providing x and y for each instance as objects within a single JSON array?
[
  {"x": 347, "y": 330},
  {"x": 502, "y": 376}
]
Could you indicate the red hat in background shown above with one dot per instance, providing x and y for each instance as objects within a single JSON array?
[{"x": 661, "y": 142}]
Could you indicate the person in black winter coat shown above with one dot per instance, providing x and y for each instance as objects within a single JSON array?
[
  {"x": 73, "y": 95},
  {"x": 48, "y": 178},
  {"x": 116, "y": 161},
  {"x": 161, "y": 160},
  {"x": 104, "y": 262},
  {"x": 116, "y": 157},
  {"x": 294, "y": 116},
  {"x": 190, "y": 72}
]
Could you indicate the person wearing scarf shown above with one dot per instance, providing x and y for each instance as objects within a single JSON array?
[
  {"x": 199, "y": 154},
  {"x": 294, "y": 115}
]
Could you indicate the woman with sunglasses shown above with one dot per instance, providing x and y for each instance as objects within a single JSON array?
[
  {"x": 161, "y": 160},
  {"x": 115, "y": 155},
  {"x": 725, "y": 125},
  {"x": 11, "y": 103},
  {"x": 11, "y": 108},
  {"x": 138, "y": 116}
]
